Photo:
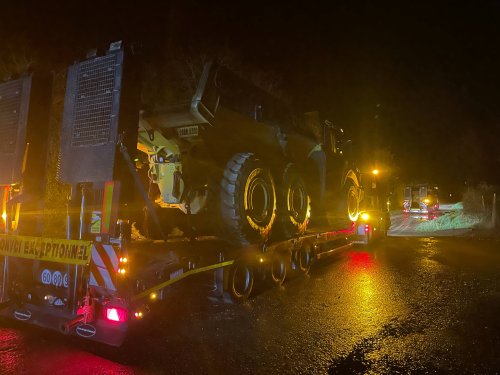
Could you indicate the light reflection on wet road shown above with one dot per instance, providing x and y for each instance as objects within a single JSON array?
[{"x": 408, "y": 305}]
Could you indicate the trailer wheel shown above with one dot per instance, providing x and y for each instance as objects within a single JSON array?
[
  {"x": 277, "y": 271},
  {"x": 304, "y": 258},
  {"x": 247, "y": 200},
  {"x": 295, "y": 203},
  {"x": 240, "y": 283}
]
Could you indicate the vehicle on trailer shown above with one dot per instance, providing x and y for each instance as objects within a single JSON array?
[
  {"x": 227, "y": 159},
  {"x": 235, "y": 158}
]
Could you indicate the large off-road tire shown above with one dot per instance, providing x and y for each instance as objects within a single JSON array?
[
  {"x": 294, "y": 205},
  {"x": 350, "y": 200},
  {"x": 247, "y": 200}
]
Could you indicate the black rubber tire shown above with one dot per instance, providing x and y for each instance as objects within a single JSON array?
[
  {"x": 304, "y": 258},
  {"x": 276, "y": 273},
  {"x": 294, "y": 205},
  {"x": 350, "y": 200},
  {"x": 240, "y": 281},
  {"x": 247, "y": 200}
]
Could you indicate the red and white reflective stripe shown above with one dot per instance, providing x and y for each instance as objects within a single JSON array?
[{"x": 104, "y": 266}]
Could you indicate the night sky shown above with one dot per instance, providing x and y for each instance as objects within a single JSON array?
[{"x": 418, "y": 80}]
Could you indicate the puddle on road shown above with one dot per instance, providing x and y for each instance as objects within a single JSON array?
[
  {"x": 372, "y": 294},
  {"x": 452, "y": 326},
  {"x": 22, "y": 353},
  {"x": 11, "y": 351}
]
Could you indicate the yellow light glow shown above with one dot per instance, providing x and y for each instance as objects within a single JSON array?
[
  {"x": 354, "y": 217},
  {"x": 261, "y": 260},
  {"x": 122, "y": 271},
  {"x": 124, "y": 260},
  {"x": 4, "y": 216},
  {"x": 153, "y": 296},
  {"x": 365, "y": 216},
  {"x": 375, "y": 172},
  {"x": 427, "y": 200}
]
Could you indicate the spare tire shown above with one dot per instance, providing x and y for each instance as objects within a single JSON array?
[{"x": 247, "y": 200}]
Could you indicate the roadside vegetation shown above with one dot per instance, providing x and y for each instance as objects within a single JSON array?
[{"x": 478, "y": 211}]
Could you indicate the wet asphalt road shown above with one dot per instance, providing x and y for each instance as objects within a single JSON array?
[{"x": 407, "y": 305}]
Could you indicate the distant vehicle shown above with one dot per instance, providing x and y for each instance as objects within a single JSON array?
[{"x": 421, "y": 198}]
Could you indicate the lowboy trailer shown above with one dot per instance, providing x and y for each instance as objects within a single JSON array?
[{"x": 104, "y": 274}]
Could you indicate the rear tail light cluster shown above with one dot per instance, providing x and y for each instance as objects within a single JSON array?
[{"x": 115, "y": 314}]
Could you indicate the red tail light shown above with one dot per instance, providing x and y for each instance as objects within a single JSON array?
[
  {"x": 367, "y": 228},
  {"x": 115, "y": 314}
]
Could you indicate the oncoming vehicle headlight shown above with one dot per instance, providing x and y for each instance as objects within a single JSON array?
[
  {"x": 427, "y": 200},
  {"x": 365, "y": 216}
]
